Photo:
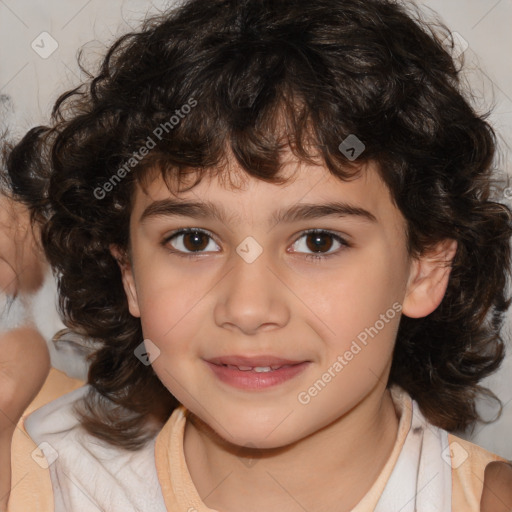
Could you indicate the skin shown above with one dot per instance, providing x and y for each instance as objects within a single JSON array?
[
  {"x": 497, "y": 493},
  {"x": 217, "y": 304},
  {"x": 24, "y": 358},
  {"x": 25, "y": 365},
  {"x": 22, "y": 264}
]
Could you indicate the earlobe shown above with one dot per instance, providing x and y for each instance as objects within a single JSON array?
[
  {"x": 428, "y": 279},
  {"x": 128, "y": 279}
]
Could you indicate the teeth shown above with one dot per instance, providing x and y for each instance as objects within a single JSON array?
[
  {"x": 261, "y": 369},
  {"x": 257, "y": 369}
]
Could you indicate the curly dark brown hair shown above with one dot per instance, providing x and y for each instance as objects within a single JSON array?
[{"x": 266, "y": 75}]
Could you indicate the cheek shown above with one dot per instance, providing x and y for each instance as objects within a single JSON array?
[
  {"x": 170, "y": 305},
  {"x": 161, "y": 295},
  {"x": 365, "y": 287},
  {"x": 166, "y": 323}
]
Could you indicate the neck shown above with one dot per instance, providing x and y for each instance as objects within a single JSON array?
[{"x": 331, "y": 469}]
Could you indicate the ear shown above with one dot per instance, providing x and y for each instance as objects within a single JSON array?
[
  {"x": 428, "y": 279},
  {"x": 128, "y": 279}
]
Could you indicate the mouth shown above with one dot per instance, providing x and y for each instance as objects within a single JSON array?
[
  {"x": 264, "y": 363},
  {"x": 257, "y": 369},
  {"x": 255, "y": 372}
]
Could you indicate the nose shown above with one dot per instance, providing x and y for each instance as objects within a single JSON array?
[{"x": 252, "y": 297}]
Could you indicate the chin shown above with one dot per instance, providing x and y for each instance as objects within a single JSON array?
[
  {"x": 262, "y": 436},
  {"x": 257, "y": 442}
]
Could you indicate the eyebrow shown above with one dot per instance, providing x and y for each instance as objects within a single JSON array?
[{"x": 301, "y": 211}]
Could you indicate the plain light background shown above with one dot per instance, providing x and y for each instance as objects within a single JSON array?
[{"x": 31, "y": 79}]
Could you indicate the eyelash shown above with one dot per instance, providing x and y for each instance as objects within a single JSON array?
[{"x": 315, "y": 257}]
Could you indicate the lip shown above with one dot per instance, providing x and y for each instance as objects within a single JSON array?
[
  {"x": 248, "y": 379},
  {"x": 263, "y": 360}
]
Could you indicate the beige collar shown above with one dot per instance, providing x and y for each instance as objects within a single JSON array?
[{"x": 180, "y": 494}]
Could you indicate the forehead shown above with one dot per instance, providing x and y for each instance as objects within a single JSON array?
[{"x": 232, "y": 195}]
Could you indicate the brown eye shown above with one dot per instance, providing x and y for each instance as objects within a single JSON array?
[
  {"x": 195, "y": 241},
  {"x": 190, "y": 241},
  {"x": 319, "y": 242}
]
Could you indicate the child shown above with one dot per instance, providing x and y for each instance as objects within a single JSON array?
[
  {"x": 314, "y": 351},
  {"x": 29, "y": 319},
  {"x": 22, "y": 348}
]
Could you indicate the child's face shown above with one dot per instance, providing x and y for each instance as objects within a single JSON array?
[{"x": 230, "y": 300}]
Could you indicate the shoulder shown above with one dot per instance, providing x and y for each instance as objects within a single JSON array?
[
  {"x": 31, "y": 480},
  {"x": 31, "y": 483},
  {"x": 468, "y": 462},
  {"x": 88, "y": 469},
  {"x": 497, "y": 494}
]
